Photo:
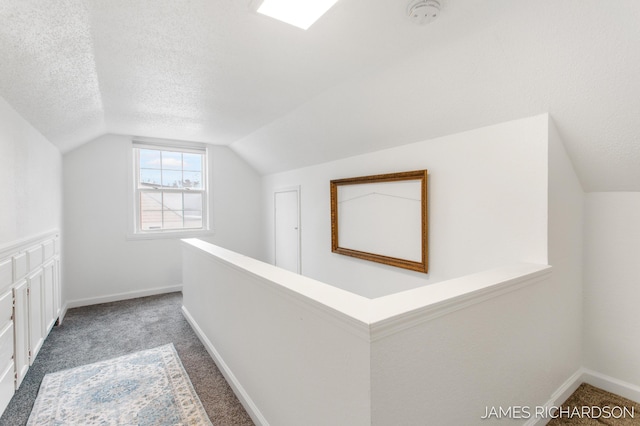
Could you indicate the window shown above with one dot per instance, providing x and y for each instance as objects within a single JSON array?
[{"x": 170, "y": 189}]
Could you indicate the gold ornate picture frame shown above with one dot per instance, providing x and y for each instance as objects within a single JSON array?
[{"x": 382, "y": 218}]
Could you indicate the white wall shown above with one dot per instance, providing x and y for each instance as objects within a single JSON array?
[
  {"x": 449, "y": 369},
  {"x": 612, "y": 285},
  {"x": 30, "y": 179},
  {"x": 487, "y": 206},
  {"x": 565, "y": 239},
  {"x": 100, "y": 262}
]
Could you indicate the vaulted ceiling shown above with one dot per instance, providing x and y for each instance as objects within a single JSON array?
[{"x": 362, "y": 78}]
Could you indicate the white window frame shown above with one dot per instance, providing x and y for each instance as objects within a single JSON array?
[{"x": 134, "y": 231}]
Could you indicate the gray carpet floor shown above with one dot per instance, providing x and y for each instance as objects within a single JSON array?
[{"x": 99, "y": 332}]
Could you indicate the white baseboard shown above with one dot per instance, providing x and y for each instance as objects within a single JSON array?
[
  {"x": 558, "y": 397},
  {"x": 238, "y": 389},
  {"x": 63, "y": 312},
  {"x": 120, "y": 296},
  {"x": 584, "y": 375},
  {"x": 611, "y": 384}
]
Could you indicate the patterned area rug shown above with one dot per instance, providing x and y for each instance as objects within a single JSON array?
[{"x": 144, "y": 388}]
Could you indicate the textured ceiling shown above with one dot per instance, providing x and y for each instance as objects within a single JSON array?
[{"x": 362, "y": 78}]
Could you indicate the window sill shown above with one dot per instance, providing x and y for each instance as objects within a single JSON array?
[{"x": 169, "y": 235}]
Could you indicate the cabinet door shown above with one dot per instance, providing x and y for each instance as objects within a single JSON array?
[
  {"x": 6, "y": 308},
  {"x": 21, "y": 330},
  {"x": 6, "y": 387},
  {"x": 6, "y": 332},
  {"x": 57, "y": 295},
  {"x": 37, "y": 330},
  {"x": 49, "y": 310}
]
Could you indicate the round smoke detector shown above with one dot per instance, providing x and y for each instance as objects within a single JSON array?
[{"x": 423, "y": 11}]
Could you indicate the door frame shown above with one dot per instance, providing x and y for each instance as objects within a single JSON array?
[{"x": 295, "y": 189}]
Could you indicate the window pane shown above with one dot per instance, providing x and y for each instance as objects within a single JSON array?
[
  {"x": 171, "y": 160},
  {"x": 193, "y": 201},
  {"x": 172, "y": 213},
  {"x": 192, "y": 162},
  {"x": 150, "y": 201},
  {"x": 150, "y": 221},
  {"x": 172, "y": 202},
  {"x": 192, "y": 219},
  {"x": 149, "y": 159},
  {"x": 171, "y": 179},
  {"x": 149, "y": 178},
  {"x": 150, "y": 211},
  {"x": 192, "y": 180},
  {"x": 172, "y": 219}
]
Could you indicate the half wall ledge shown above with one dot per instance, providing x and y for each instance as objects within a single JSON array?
[{"x": 382, "y": 316}]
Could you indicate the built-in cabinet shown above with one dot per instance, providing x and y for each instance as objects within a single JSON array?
[{"x": 30, "y": 305}]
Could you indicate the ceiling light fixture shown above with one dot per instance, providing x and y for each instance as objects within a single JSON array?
[
  {"x": 423, "y": 11},
  {"x": 299, "y": 13}
]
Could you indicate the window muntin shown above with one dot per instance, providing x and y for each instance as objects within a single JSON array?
[{"x": 170, "y": 189}]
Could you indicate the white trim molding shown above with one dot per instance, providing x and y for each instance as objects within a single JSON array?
[
  {"x": 8, "y": 249},
  {"x": 584, "y": 375},
  {"x": 558, "y": 397},
  {"x": 611, "y": 384},
  {"x": 396, "y": 312},
  {"x": 63, "y": 312},
  {"x": 119, "y": 296}
]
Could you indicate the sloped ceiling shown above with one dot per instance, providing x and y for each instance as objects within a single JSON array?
[{"x": 360, "y": 79}]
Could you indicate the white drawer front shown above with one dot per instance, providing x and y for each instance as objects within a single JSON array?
[
  {"x": 6, "y": 346},
  {"x": 6, "y": 308}
]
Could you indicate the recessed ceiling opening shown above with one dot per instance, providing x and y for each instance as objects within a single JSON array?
[{"x": 299, "y": 13}]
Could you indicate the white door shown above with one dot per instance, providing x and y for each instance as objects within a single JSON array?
[{"x": 287, "y": 229}]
